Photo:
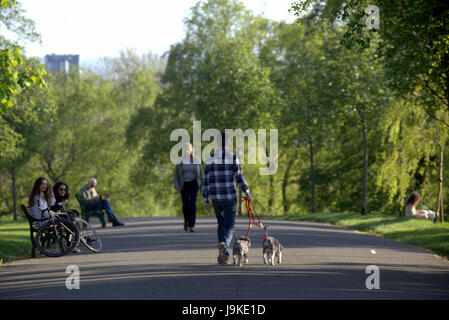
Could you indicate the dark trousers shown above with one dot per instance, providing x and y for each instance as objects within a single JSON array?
[{"x": 188, "y": 193}]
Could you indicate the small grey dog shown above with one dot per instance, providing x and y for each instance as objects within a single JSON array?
[
  {"x": 240, "y": 250},
  {"x": 271, "y": 248}
]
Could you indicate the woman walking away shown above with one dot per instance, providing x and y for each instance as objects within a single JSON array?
[
  {"x": 188, "y": 178},
  {"x": 41, "y": 198}
]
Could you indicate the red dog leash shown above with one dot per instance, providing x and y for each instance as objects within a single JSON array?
[{"x": 250, "y": 213}]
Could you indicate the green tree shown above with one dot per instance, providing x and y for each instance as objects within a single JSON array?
[
  {"x": 16, "y": 72},
  {"x": 412, "y": 41},
  {"x": 214, "y": 76},
  {"x": 88, "y": 137},
  {"x": 33, "y": 110},
  {"x": 21, "y": 80},
  {"x": 308, "y": 71}
]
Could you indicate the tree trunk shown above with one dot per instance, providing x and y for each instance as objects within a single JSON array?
[
  {"x": 284, "y": 186},
  {"x": 312, "y": 164},
  {"x": 440, "y": 209},
  {"x": 271, "y": 197},
  {"x": 271, "y": 191},
  {"x": 14, "y": 193},
  {"x": 365, "y": 169},
  {"x": 239, "y": 208}
]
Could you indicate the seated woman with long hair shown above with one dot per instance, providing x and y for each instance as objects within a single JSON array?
[
  {"x": 61, "y": 192},
  {"x": 41, "y": 198},
  {"x": 410, "y": 208}
]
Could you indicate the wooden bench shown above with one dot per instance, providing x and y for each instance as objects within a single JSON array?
[
  {"x": 34, "y": 226},
  {"x": 86, "y": 214}
]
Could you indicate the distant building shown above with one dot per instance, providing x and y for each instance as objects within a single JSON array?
[{"x": 62, "y": 63}]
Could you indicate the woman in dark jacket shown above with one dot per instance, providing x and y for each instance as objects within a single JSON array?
[
  {"x": 61, "y": 193},
  {"x": 188, "y": 178}
]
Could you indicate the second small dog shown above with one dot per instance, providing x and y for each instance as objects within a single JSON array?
[
  {"x": 271, "y": 248},
  {"x": 240, "y": 250}
]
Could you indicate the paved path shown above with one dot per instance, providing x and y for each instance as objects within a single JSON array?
[{"x": 155, "y": 259}]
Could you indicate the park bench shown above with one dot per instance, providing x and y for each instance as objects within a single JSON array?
[
  {"x": 34, "y": 226},
  {"x": 86, "y": 214}
]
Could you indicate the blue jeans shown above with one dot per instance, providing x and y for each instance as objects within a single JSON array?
[
  {"x": 102, "y": 204},
  {"x": 225, "y": 212}
]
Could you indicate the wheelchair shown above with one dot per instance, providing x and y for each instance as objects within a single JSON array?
[{"x": 62, "y": 233}]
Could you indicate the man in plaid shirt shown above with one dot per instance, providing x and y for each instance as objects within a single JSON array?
[{"x": 221, "y": 172}]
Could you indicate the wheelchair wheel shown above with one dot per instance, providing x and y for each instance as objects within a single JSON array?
[
  {"x": 57, "y": 237},
  {"x": 88, "y": 236}
]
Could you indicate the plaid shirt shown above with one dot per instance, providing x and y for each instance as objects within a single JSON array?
[{"x": 222, "y": 167}]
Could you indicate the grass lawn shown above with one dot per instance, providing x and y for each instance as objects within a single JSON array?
[
  {"x": 416, "y": 232},
  {"x": 14, "y": 240}
]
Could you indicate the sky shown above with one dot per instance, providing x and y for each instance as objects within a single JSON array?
[{"x": 101, "y": 28}]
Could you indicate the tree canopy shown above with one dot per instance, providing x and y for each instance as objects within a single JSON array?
[{"x": 361, "y": 113}]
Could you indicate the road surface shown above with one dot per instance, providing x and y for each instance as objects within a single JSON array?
[{"x": 154, "y": 258}]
